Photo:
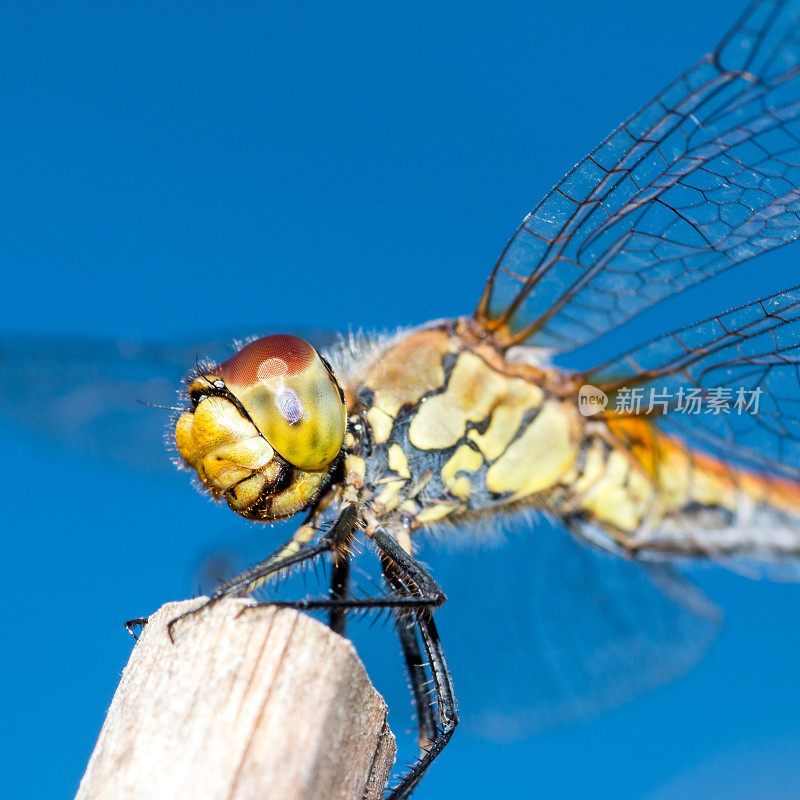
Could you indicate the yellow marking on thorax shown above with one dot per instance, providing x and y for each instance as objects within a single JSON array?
[
  {"x": 387, "y": 499},
  {"x": 398, "y": 462},
  {"x": 473, "y": 392},
  {"x": 409, "y": 507},
  {"x": 381, "y": 423},
  {"x": 520, "y": 398},
  {"x": 435, "y": 512},
  {"x": 480, "y": 391},
  {"x": 403, "y": 375},
  {"x": 465, "y": 459},
  {"x": 354, "y": 469},
  {"x": 541, "y": 456}
]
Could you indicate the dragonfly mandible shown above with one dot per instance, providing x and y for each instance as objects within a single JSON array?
[{"x": 439, "y": 427}]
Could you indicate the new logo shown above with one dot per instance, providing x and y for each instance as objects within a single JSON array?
[{"x": 591, "y": 400}]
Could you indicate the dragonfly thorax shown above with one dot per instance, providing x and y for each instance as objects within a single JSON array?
[{"x": 452, "y": 429}]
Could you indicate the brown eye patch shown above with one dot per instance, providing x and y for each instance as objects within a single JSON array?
[{"x": 267, "y": 358}]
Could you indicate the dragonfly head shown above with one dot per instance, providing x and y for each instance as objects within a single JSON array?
[{"x": 265, "y": 427}]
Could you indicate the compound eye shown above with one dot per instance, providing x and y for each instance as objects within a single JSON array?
[{"x": 291, "y": 396}]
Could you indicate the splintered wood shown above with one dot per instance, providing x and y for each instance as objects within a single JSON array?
[{"x": 267, "y": 705}]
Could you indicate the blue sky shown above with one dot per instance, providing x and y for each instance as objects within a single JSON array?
[{"x": 180, "y": 167}]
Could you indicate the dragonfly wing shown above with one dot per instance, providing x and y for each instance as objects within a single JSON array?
[
  {"x": 95, "y": 395},
  {"x": 703, "y": 177},
  {"x": 542, "y": 629},
  {"x": 729, "y": 389},
  {"x": 750, "y": 355}
]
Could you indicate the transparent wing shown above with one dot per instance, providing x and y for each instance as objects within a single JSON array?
[
  {"x": 743, "y": 369},
  {"x": 703, "y": 177},
  {"x": 727, "y": 388},
  {"x": 542, "y": 629},
  {"x": 92, "y": 395}
]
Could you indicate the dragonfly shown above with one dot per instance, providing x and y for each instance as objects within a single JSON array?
[{"x": 685, "y": 447}]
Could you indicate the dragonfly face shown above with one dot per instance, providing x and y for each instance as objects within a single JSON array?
[{"x": 264, "y": 427}]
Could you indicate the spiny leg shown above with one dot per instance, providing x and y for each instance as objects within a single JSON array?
[
  {"x": 139, "y": 622},
  {"x": 294, "y": 552},
  {"x": 416, "y": 589},
  {"x": 406, "y": 569},
  {"x": 403, "y": 570},
  {"x": 340, "y": 586},
  {"x": 391, "y": 601},
  {"x": 405, "y": 623},
  {"x": 254, "y": 577},
  {"x": 447, "y": 708}
]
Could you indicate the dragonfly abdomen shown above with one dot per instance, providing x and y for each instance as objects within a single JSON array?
[{"x": 650, "y": 491}]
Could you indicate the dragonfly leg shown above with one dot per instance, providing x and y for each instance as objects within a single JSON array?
[
  {"x": 405, "y": 623},
  {"x": 447, "y": 707},
  {"x": 391, "y": 601},
  {"x": 139, "y": 622},
  {"x": 416, "y": 588},
  {"x": 403, "y": 570},
  {"x": 295, "y": 551},
  {"x": 340, "y": 586}
]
